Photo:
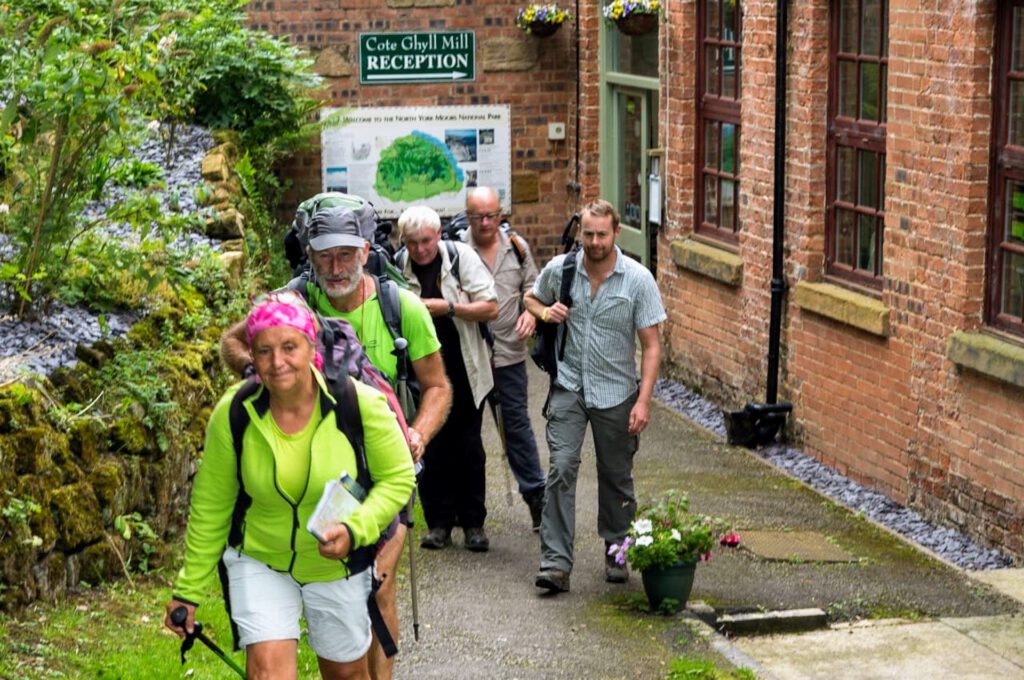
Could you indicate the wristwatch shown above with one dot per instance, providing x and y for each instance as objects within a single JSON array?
[{"x": 451, "y": 310}]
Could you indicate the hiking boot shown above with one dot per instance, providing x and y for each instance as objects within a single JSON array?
[
  {"x": 615, "y": 572},
  {"x": 552, "y": 580},
  {"x": 476, "y": 540},
  {"x": 436, "y": 538},
  {"x": 535, "y": 502}
]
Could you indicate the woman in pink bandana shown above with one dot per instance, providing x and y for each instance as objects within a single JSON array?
[{"x": 250, "y": 505}]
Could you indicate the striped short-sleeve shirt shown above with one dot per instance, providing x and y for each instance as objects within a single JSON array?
[{"x": 600, "y": 350}]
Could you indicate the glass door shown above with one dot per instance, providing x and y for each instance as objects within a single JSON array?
[{"x": 629, "y": 131}]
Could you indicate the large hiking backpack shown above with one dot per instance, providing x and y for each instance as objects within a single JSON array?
[{"x": 377, "y": 232}]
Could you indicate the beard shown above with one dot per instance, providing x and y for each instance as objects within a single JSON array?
[{"x": 341, "y": 290}]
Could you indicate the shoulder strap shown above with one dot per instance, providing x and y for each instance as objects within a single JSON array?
[
  {"x": 516, "y": 241},
  {"x": 565, "y": 295},
  {"x": 350, "y": 423},
  {"x": 238, "y": 418},
  {"x": 453, "y": 258},
  {"x": 390, "y": 304}
]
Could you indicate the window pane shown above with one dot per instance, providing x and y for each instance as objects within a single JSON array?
[
  {"x": 848, "y": 89},
  {"x": 710, "y": 199},
  {"x": 871, "y": 28},
  {"x": 728, "y": 204},
  {"x": 883, "y": 85},
  {"x": 714, "y": 27},
  {"x": 1016, "y": 122},
  {"x": 869, "y": 91},
  {"x": 1017, "y": 40},
  {"x": 728, "y": 148},
  {"x": 729, "y": 20},
  {"x": 846, "y": 182},
  {"x": 711, "y": 144},
  {"x": 1014, "y": 212},
  {"x": 868, "y": 179},
  {"x": 866, "y": 243},
  {"x": 881, "y": 182},
  {"x": 729, "y": 72},
  {"x": 844, "y": 237},
  {"x": 1012, "y": 297},
  {"x": 711, "y": 71},
  {"x": 848, "y": 26}
]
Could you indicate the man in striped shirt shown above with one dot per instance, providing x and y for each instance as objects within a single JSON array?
[{"x": 614, "y": 301}]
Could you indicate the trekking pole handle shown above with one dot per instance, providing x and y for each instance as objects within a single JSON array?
[{"x": 179, "y": 616}]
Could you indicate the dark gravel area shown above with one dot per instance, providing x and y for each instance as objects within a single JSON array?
[
  {"x": 949, "y": 544},
  {"x": 48, "y": 343}
]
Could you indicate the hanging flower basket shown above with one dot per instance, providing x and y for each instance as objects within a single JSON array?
[
  {"x": 543, "y": 29},
  {"x": 542, "y": 19},
  {"x": 637, "y": 24},
  {"x": 633, "y": 17}
]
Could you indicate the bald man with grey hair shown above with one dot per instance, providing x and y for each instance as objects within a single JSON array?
[{"x": 508, "y": 258}]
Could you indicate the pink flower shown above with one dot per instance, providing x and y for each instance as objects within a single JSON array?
[
  {"x": 706, "y": 556},
  {"x": 730, "y": 540}
]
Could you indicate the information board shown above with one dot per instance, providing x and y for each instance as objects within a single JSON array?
[{"x": 396, "y": 157}]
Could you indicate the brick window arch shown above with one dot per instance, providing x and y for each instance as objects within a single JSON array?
[
  {"x": 1005, "y": 294},
  {"x": 858, "y": 69}
]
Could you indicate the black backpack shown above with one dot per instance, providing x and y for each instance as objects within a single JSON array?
[{"x": 548, "y": 344}]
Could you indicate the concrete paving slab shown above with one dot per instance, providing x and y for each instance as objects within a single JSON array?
[
  {"x": 1003, "y": 635},
  {"x": 1009, "y": 582},
  {"x": 895, "y": 650},
  {"x": 794, "y": 546}
]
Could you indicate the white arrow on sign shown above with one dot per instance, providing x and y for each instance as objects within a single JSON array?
[{"x": 454, "y": 75}]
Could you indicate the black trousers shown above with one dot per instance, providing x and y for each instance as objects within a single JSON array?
[{"x": 453, "y": 483}]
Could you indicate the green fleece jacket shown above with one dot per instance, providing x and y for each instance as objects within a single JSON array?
[{"x": 274, "y": 527}]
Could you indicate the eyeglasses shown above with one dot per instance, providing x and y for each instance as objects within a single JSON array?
[{"x": 478, "y": 217}]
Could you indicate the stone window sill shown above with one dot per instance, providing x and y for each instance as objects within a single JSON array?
[
  {"x": 988, "y": 355},
  {"x": 843, "y": 305},
  {"x": 709, "y": 261}
]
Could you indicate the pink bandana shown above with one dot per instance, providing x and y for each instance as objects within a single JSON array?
[{"x": 283, "y": 309}]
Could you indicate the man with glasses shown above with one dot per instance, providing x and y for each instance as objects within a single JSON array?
[{"x": 508, "y": 259}]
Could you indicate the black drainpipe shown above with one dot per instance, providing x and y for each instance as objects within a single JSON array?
[{"x": 758, "y": 424}]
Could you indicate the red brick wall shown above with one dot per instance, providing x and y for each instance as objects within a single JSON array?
[
  {"x": 537, "y": 95},
  {"x": 892, "y": 412}
]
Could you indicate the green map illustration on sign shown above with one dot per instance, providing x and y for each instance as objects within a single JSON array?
[{"x": 415, "y": 167}]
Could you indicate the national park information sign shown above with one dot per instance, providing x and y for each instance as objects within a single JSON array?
[{"x": 396, "y": 157}]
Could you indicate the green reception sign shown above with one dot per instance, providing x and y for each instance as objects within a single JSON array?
[{"x": 416, "y": 57}]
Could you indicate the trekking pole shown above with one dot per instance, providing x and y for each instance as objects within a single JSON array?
[
  {"x": 178, "y": 618},
  {"x": 408, "y": 410},
  {"x": 499, "y": 423},
  {"x": 412, "y": 575}
]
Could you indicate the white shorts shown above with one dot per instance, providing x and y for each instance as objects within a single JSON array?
[{"x": 266, "y": 605}]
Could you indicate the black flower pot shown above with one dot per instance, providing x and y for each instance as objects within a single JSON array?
[
  {"x": 637, "y": 24},
  {"x": 543, "y": 29}
]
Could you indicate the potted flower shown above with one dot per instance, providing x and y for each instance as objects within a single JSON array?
[
  {"x": 665, "y": 542},
  {"x": 633, "y": 17},
  {"x": 542, "y": 19}
]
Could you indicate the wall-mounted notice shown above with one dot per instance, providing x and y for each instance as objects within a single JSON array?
[{"x": 396, "y": 157}]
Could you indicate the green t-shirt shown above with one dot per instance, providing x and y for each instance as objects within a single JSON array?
[
  {"x": 291, "y": 455},
  {"x": 368, "y": 322}
]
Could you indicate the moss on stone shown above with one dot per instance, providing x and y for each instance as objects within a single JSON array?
[
  {"x": 77, "y": 513},
  {"x": 128, "y": 435}
]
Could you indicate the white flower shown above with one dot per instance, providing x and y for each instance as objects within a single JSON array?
[
  {"x": 645, "y": 540},
  {"x": 676, "y": 536},
  {"x": 4, "y": 208},
  {"x": 642, "y": 526},
  {"x": 153, "y": 126},
  {"x": 167, "y": 42}
]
